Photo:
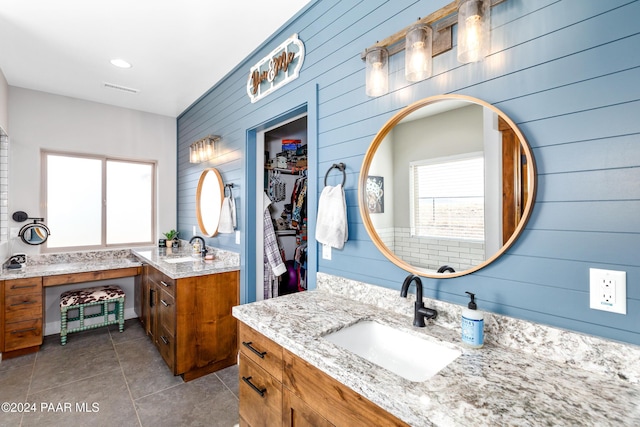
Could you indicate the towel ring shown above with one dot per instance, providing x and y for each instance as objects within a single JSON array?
[{"x": 341, "y": 167}]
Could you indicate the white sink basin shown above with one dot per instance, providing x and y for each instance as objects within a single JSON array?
[
  {"x": 411, "y": 357},
  {"x": 179, "y": 259}
]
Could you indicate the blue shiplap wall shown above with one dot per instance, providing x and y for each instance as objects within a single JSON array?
[{"x": 566, "y": 71}]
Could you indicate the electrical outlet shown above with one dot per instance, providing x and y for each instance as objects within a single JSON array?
[
  {"x": 194, "y": 231},
  {"x": 326, "y": 252},
  {"x": 608, "y": 290},
  {"x": 237, "y": 237}
]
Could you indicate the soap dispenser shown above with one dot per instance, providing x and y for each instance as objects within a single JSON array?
[{"x": 472, "y": 324}]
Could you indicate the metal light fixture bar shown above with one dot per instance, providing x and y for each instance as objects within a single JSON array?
[{"x": 444, "y": 18}]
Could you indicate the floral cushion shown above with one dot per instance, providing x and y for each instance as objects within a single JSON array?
[{"x": 89, "y": 295}]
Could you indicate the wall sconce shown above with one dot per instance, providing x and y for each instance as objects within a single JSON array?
[
  {"x": 417, "y": 57},
  {"x": 377, "y": 71},
  {"x": 203, "y": 150},
  {"x": 429, "y": 37},
  {"x": 474, "y": 30}
]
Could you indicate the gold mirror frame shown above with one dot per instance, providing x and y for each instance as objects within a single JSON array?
[
  {"x": 364, "y": 172},
  {"x": 209, "y": 196}
]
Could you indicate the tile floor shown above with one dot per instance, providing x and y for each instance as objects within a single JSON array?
[{"x": 106, "y": 378}]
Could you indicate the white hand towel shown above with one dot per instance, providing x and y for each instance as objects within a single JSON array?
[
  {"x": 331, "y": 227},
  {"x": 227, "y": 216}
]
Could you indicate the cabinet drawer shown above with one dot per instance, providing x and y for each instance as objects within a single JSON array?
[
  {"x": 23, "y": 286},
  {"x": 22, "y": 307},
  {"x": 166, "y": 344},
  {"x": 167, "y": 311},
  {"x": 23, "y": 334},
  {"x": 261, "y": 350},
  {"x": 260, "y": 395},
  {"x": 164, "y": 281}
]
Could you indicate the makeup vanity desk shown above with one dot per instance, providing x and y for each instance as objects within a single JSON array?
[
  {"x": 22, "y": 292},
  {"x": 183, "y": 303}
]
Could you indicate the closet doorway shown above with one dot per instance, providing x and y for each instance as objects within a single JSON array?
[{"x": 282, "y": 177}]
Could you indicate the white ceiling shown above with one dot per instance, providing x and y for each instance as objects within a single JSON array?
[{"x": 178, "y": 49}]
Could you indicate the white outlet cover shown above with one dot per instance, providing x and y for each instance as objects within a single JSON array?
[
  {"x": 598, "y": 281},
  {"x": 326, "y": 252}
]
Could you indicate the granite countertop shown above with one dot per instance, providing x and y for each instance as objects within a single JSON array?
[
  {"x": 82, "y": 262},
  {"x": 493, "y": 385},
  {"x": 72, "y": 262},
  {"x": 188, "y": 265}
]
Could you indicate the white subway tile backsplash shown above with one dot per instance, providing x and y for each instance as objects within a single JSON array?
[{"x": 432, "y": 253}]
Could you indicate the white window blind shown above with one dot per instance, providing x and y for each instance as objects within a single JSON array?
[{"x": 448, "y": 197}]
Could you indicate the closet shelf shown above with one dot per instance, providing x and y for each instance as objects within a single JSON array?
[
  {"x": 291, "y": 171},
  {"x": 285, "y": 232}
]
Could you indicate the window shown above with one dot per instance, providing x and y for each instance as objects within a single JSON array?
[
  {"x": 74, "y": 189},
  {"x": 448, "y": 197}
]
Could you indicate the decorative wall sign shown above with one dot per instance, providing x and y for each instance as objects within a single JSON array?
[{"x": 277, "y": 69}]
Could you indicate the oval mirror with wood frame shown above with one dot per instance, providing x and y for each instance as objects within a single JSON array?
[
  {"x": 447, "y": 186},
  {"x": 209, "y": 197}
]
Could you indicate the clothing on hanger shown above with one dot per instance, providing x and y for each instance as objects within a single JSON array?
[{"x": 273, "y": 264}]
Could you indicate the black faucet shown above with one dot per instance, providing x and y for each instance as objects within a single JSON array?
[
  {"x": 446, "y": 268},
  {"x": 203, "y": 246},
  {"x": 421, "y": 312}
]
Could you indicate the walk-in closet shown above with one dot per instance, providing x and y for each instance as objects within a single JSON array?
[{"x": 285, "y": 193}]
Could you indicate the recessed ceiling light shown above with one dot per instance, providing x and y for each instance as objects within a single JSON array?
[{"x": 120, "y": 63}]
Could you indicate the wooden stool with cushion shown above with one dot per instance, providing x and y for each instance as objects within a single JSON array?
[{"x": 80, "y": 299}]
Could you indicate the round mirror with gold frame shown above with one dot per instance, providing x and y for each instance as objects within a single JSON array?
[
  {"x": 209, "y": 196},
  {"x": 447, "y": 186}
]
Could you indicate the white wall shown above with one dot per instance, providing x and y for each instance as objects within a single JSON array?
[
  {"x": 41, "y": 120},
  {"x": 4, "y": 123},
  {"x": 45, "y": 121},
  {"x": 447, "y": 134},
  {"x": 4, "y": 102}
]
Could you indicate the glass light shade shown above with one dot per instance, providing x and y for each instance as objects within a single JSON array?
[
  {"x": 194, "y": 155},
  {"x": 202, "y": 151},
  {"x": 474, "y": 28},
  {"x": 417, "y": 60},
  {"x": 377, "y": 71},
  {"x": 208, "y": 148}
]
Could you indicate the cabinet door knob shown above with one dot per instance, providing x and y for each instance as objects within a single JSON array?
[
  {"x": 260, "y": 354},
  {"x": 260, "y": 391},
  {"x": 164, "y": 284},
  {"x": 164, "y": 340},
  {"x": 164, "y": 302}
]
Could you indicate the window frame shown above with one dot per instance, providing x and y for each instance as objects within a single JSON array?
[
  {"x": 104, "y": 159},
  {"x": 412, "y": 198}
]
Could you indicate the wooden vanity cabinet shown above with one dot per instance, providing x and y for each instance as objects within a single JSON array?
[
  {"x": 276, "y": 385},
  {"x": 264, "y": 401},
  {"x": 189, "y": 320},
  {"x": 260, "y": 382},
  {"x": 338, "y": 404},
  {"x": 22, "y": 316}
]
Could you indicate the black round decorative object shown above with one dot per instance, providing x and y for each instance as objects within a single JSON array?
[{"x": 20, "y": 216}]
